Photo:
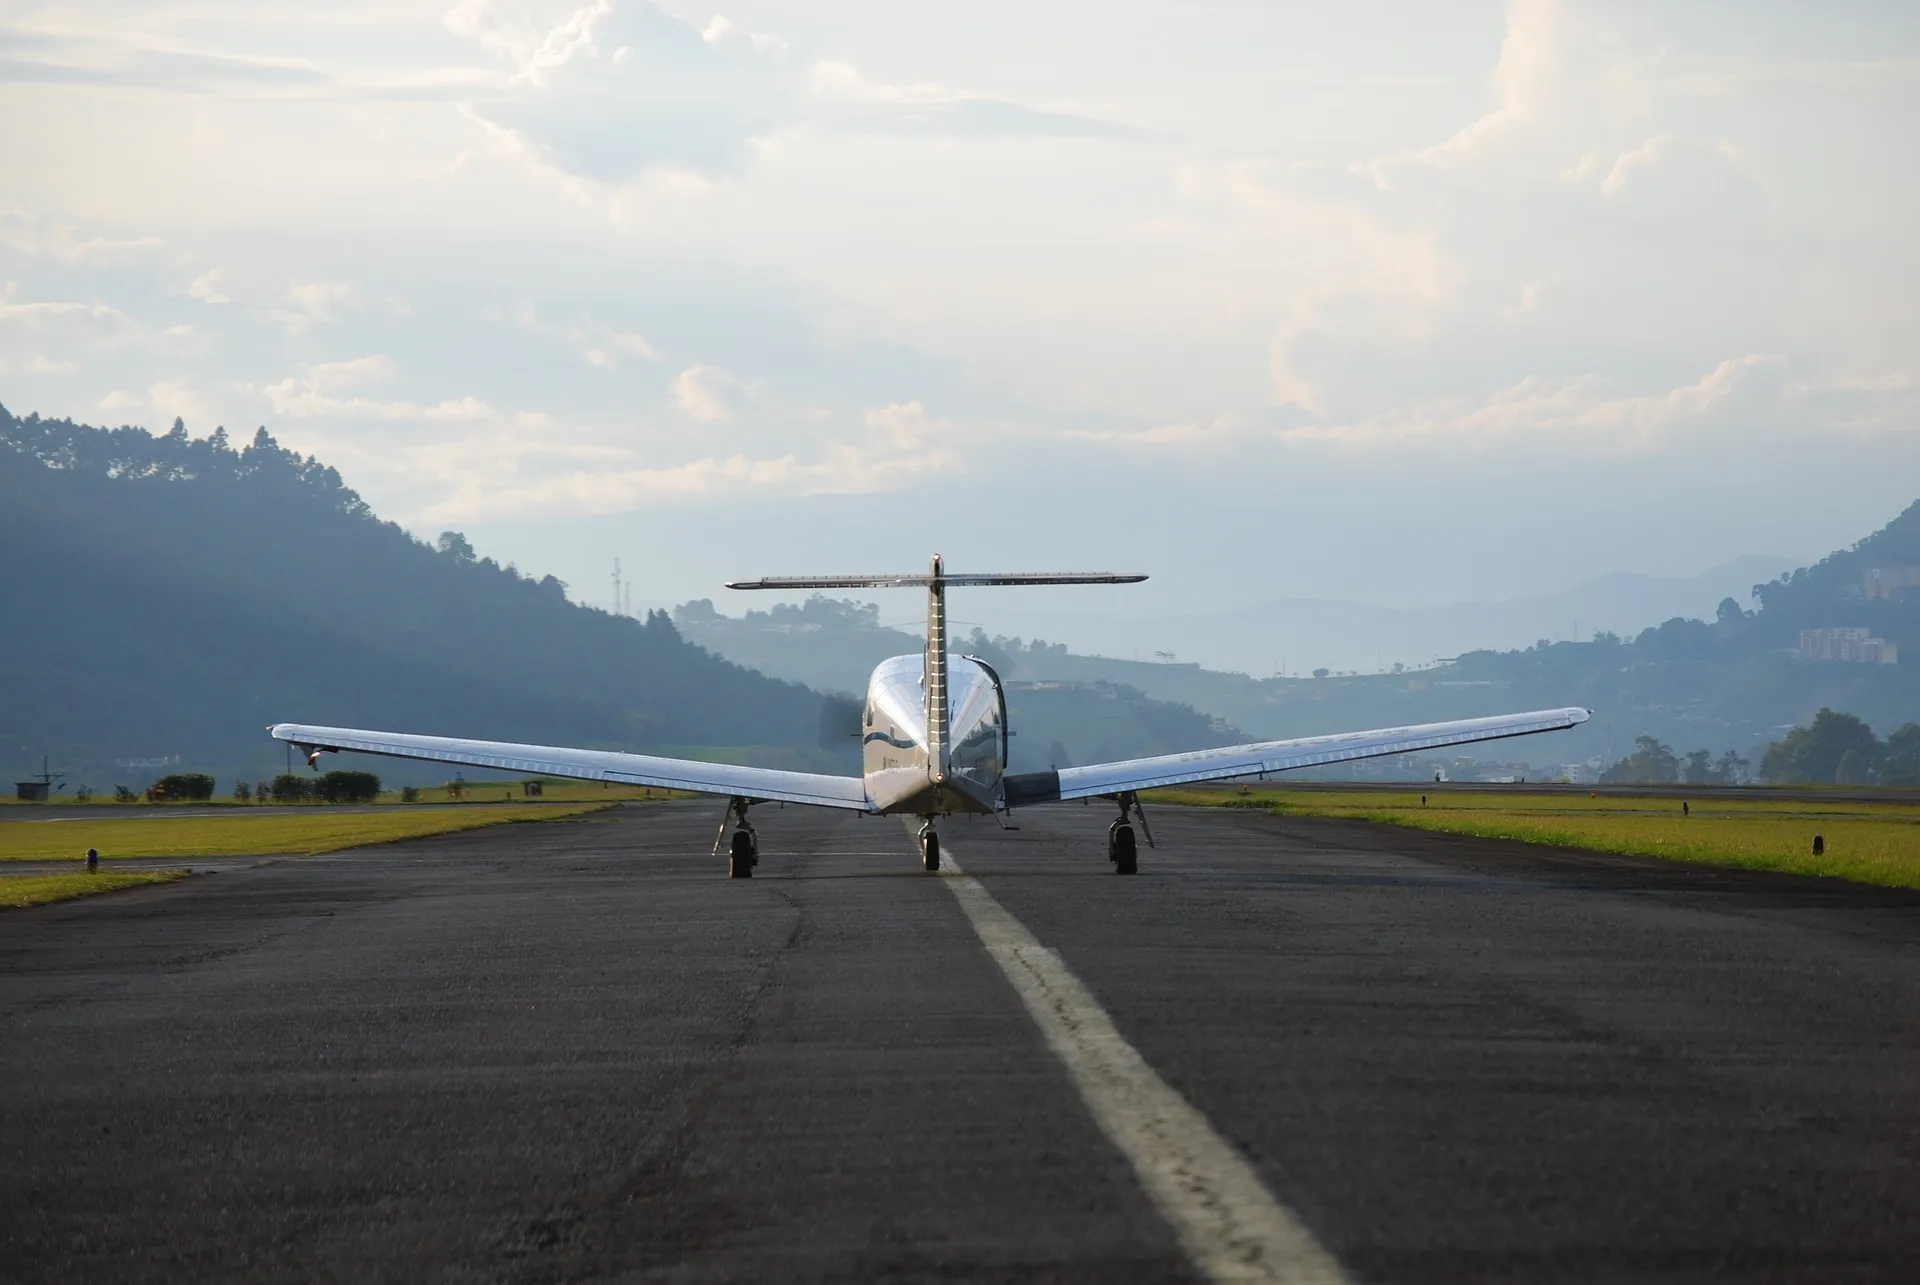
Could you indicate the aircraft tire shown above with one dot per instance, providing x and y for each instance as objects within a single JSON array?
[
  {"x": 741, "y": 857},
  {"x": 1125, "y": 855},
  {"x": 930, "y": 851}
]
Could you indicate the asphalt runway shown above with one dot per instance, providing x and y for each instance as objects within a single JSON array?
[{"x": 575, "y": 1049}]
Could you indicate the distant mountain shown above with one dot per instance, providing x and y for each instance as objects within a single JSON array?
[
  {"x": 1306, "y": 634},
  {"x": 1720, "y": 678},
  {"x": 1725, "y": 678},
  {"x": 168, "y": 598}
]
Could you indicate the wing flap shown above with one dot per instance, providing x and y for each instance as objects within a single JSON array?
[
  {"x": 768, "y": 784},
  {"x": 1280, "y": 756}
]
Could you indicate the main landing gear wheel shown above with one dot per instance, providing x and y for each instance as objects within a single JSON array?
[
  {"x": 929, "y": 849},
  {"x": 1121, "y": 849},
  {"x": 743, "y": 856}
]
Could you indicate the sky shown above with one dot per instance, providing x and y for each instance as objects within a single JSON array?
[{"x": 1388, "y": 302}]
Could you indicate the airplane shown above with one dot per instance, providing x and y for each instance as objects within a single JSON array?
[{"x": 933, "y": 743}]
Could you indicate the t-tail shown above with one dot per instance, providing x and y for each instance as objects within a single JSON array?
[
  {"x": 939, "y": 749},
  {"x": 936, "y": 582}
]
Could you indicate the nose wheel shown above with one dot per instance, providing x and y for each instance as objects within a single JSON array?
[{"x": 929, "y": 847}]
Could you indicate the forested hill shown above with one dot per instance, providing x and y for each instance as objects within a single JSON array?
[
  {"x": 1736, "y": 682},
  {"x": 168, "y": 598}
]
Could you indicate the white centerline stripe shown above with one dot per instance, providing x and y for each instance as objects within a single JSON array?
[{"x": 1226, "y": 1219}]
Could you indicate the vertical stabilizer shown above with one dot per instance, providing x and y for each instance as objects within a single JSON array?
[{"x": 939, "y": 755}]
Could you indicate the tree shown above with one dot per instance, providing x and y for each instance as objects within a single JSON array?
[
  {"x": 455, "y": 545},
  {"x": 1319, "y": 673},
  {"x": 1699, "y": 769},
  {"x": 1728, "y": 612},
  {"x": 181, "y": 786},
  {"x": 1811, "y": 755},
  {"x": 288, "y": 788},
  {"x": 1852, "y": 768},
  {"x": 1651, "y": 763},
  {"x": 348, "y": 787},
  {"x": 1900, "y": 761},
  {"x": 1732, "y": 769}
]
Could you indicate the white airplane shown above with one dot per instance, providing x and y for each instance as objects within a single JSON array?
[{"x": 934, "y": 737}]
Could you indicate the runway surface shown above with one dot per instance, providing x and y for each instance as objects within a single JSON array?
[{"x": 577, "y": 1050}]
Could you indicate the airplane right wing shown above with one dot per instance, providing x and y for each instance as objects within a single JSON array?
[{"x": 1276, "y": 756}]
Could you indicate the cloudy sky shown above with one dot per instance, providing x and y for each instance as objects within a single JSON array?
[{"x": 1394, "y": 302}]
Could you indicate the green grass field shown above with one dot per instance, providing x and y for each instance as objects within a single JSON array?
[
  {"x": 553, "y": 790},
  {"x": 38, "y": 890},
  {"x": 241, "y": 834},
  {"x": 1868, "y": 842}
]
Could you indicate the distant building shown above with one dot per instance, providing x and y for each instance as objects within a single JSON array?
[
  {"x": 1856, "y": 645},
  {"x": 1889, "y": 583}
]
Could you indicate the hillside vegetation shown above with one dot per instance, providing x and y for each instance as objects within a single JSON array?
[
  {"x": 170, "y": 598},
  {"x": 1734, "y": 683}
]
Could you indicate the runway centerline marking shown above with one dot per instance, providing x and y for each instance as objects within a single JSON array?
[{"x": 1225, "y": 1218}]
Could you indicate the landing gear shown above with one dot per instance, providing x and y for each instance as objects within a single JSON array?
[
  {"x": 1121, "y": 848},
  {"x": 929, "y": 847},
  {"x": 743, "y": 854}
]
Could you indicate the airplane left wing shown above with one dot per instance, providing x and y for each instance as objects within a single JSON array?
[
  {"x": 1276, "y": 756},
  {"x": 761, "y": 783}
]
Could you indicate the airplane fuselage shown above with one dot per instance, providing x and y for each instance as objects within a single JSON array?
[{"x": 907, "y": 769}]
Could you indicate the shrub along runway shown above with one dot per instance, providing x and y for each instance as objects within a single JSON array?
[{"x": 538, "y": 1052}]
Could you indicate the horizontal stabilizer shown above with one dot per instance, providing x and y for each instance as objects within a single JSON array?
[{"x": 922, "y": 581}]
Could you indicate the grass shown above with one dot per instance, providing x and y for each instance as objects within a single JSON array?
[
  {"x": 38, "y": 890},
  {"x": 1876, "y": 843},
  {"x": 554, "y": 790},
  {"x": 240, "y": 834}
]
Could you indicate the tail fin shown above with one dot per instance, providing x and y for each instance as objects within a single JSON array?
[
  {"x": 939, "y": 752},
  {"x": 936, "y": 582}
]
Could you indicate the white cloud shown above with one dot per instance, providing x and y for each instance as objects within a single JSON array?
[
  {"x": 171, "y": 399},
  {"x": 1586, "y": 408},
  {"x": 724, "y": 33},
  {"x": 607, "y": 346},
  {"x": 207, "y": 288},
  {"x": 705, "y": 393},
  {"x": 905, "y": 426},
  {"x": 1530, "y": 72},
  {"x": 1641, "y": 157},
  {"x": 75, "y": 322},
  {"x": 615, "y": 92},
  {"x": 317, "y": 302},
  {"x": 608, "y": 488},
  {"x": 316, "y": 393},
  {"x": 39, "y": 236},
  {"x": 187, "y": 339}
]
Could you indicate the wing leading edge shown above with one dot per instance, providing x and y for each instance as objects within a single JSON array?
[
  {"x": 1277, "y": 756},
  {"x": 767, "y": 784}
]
